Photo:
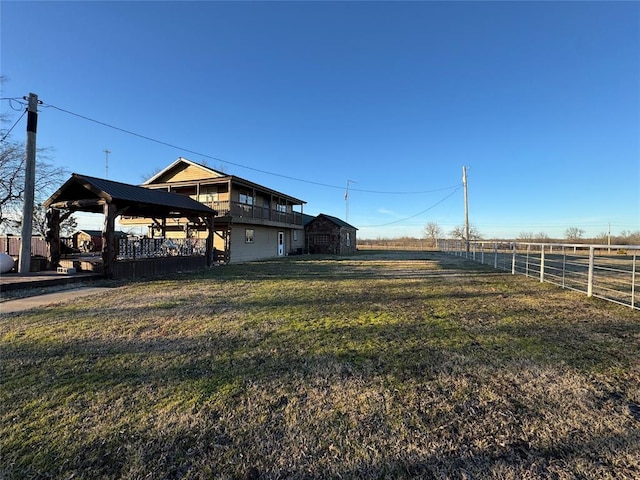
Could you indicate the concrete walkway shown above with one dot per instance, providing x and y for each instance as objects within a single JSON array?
[{"x": 47, "y": 299}]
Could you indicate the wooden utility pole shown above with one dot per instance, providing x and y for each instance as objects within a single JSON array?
[
  {"x": 466, "y": 207},
  {"x": 29, "y": 185}
]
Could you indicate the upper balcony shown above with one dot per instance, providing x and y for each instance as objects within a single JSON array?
[{"x": 255, "y": 213}]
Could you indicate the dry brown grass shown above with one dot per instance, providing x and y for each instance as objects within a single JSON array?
[{"x": 395, "y": 365}]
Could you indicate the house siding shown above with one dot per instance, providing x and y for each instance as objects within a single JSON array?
[
  {"x": 296, "y": 241},
  {"x": 267, "y": 213},
  {"x": 264, "y": 243}
]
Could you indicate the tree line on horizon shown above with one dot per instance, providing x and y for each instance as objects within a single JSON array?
[{"x": 433, "y": 233}]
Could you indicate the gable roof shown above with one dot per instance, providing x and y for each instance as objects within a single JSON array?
[
  {"x": 88, "y": 194},
  {"x": 335, "y": 220},
  {"x": 306, "y": 218},
  {"x": 165, "y": 177},
  {"x": 166, "y": 172}
]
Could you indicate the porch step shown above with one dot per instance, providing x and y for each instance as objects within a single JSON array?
[
  {"x": 83, "y": 264},
  {"x": 67, "y": 270}
]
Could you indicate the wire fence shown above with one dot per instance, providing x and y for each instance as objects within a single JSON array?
[{"x": 610, "y": 272}]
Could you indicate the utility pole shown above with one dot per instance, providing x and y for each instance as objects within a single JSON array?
[
  {"x": 29, "y": 185},
  {"x": 466, "y": 207},
  {"x": 106, "y": 162},
  {"x": 346, "y": 199}
]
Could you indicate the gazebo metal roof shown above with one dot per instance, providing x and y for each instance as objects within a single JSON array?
[{"x": 90, "y": 194}]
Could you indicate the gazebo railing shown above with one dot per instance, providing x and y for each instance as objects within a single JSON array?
[{"x": 133, "y": 248}]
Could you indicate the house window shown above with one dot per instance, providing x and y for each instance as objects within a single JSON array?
[
  {"x": 348, "y": 239},
  {"x": 295, "y": 235},
  {"x": 248, "y": 235},
  {"x": 246, "y": 198},
  {"x": 281, "y": 208},
  {"x": 321, "y": 239}
]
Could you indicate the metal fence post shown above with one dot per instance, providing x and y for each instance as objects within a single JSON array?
[
  {"x": 495, "y": 261},
  {"x": 564, "y": 266},
  {"x": 542, "y": 263},
  {"x": 633, "y": 281},
  {"x": 590, "y": 277},
  {"x": 513, "y": 260}
]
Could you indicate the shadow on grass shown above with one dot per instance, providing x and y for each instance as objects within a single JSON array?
[
  {"x": 179, "y": 404},
  {"x": 209, "y": 373}
]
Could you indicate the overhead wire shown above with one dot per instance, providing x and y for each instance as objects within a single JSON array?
[
  {"x": 204, "y": 155},
  {"x": 12, "y": 127},
  {"x": 415, "y": 215},
  {"x": 18, "y": 100}
]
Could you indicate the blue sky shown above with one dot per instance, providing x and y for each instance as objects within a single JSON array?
[{"x": 540, "y": 100}]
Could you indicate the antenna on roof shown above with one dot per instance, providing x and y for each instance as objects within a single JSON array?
[
  {"x": 106, "y": 163},
  {"x": 346, "y": 199}
]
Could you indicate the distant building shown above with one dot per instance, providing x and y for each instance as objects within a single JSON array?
[
  {"x": 329, "y": 235},
  {"x": 90, "y": 240}
]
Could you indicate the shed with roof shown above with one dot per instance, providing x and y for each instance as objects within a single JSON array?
[{"x": 329, "y": 235}]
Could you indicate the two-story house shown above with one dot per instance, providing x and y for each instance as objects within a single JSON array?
[{"x": 253, "y": 222}]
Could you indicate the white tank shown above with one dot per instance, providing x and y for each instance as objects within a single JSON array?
[{"x": 6, "y": 263}]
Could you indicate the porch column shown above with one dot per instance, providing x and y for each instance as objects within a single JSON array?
[{"x": 209, "y": 244}]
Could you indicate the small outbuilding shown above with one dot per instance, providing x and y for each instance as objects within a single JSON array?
[
  {"x": 329, "y": 235},
  {"x": 91, "y": 240}
]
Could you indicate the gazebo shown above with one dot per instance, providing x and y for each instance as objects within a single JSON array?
[{"x": 82, "y": 193}]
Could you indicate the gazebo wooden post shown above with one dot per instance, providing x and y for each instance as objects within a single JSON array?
[
  {"x": 53, "y": 237},
  {"x": 209, "y": 245},
  {"x": 108, "y": 239}
]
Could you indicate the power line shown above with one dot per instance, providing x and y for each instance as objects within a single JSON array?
[
  {"x": 204, "y": 155},
  {"x": 18, "y": 100},
  {"x": 9, "y": 131},
  {"x": 417, "y": 214}
]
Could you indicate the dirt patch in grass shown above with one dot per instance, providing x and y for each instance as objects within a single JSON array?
[{"x": 408, "y": 365}]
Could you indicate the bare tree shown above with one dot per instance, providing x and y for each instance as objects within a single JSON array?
[
  {"x": 542, "y": 237},
  {"x": 526, "y": 236},
  {"x": 459, "y": 233},
  {"x": 433, "y": 231},
  {"x": 12, "y": 178},
  {"x": 627, "y": 237},
  {"x": 573, "y": 234}
]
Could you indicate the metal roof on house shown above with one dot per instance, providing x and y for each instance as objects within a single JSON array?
[
  {"x": 85, "y": 193},
  {"x": 336, "y": 220}
]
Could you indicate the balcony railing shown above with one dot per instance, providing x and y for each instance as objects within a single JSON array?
[{"x": 242, "y": 210}]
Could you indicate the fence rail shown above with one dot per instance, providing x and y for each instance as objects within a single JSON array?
[
  {"x": 11, "y": 245},
  {"x": 610, "y": 272}
]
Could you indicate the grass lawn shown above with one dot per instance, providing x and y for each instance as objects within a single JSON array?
[{"x": 381, "y": 365}]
